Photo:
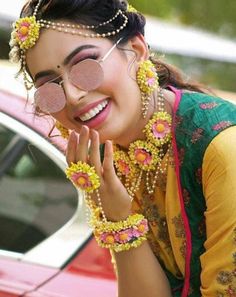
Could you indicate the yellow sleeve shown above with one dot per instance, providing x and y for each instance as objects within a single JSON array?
[{"x": 218, "y": 276}]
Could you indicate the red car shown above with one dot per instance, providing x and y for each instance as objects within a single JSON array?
[{"x": 46, "y": 246}]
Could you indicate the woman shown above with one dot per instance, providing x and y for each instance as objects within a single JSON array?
[{"x": 161, "y": 192}]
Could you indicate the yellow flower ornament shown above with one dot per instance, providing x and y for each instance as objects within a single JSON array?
[
  {"x": 26, "y": 32},
  {"x": 147, "y": 77},
  {"x": 83, "y": 176},
  {"x": 158, "y": 129},
  {"x": 130, "y": 8}
]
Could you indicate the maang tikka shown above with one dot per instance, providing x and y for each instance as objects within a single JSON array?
[{"x": 147, "y": 80}]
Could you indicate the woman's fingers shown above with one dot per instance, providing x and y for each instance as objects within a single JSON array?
[
  {"x": 71, "y": 148},
  {"x": 82, "y": 146},
  {"x": 77, "y": 147},
  {"x": 94, "y": 152},
  {"x": 108, "y": 167}
]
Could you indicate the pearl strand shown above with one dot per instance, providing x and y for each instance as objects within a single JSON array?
[
  {"x": 161, "y": 167},
  {"x": 75, "y": 29}
]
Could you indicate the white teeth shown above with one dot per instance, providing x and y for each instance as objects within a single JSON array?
[{"x": 94, "y": 111}]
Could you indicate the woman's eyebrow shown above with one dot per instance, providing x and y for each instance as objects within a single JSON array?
[
  {"x": 65, "y": 62},
  {"x": 76, "y": 51},
  {"x": 43, "y": 74}
]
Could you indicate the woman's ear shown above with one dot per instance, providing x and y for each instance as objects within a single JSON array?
[{"x": 139, "y": 45}]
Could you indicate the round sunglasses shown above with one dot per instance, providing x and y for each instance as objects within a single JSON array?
[{"x": 86, "y": 75}]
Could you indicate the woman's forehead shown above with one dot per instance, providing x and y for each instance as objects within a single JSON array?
[{"x": 53, "y": 47}]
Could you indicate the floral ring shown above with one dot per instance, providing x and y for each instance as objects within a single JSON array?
[{"x": 83, "y": 176}]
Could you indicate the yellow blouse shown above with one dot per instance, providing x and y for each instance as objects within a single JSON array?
[{"x": 167, "y": 235}]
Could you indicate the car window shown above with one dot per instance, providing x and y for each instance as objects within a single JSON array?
[{"x": 36, "y": 199}]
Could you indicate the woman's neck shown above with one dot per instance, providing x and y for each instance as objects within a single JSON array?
[{"x": 137, "y": 131}]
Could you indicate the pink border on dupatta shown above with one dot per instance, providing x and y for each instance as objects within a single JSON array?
[{"x": 178, "y": 95}]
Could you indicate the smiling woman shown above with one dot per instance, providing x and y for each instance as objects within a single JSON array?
[{"x": 148, "y": 148}]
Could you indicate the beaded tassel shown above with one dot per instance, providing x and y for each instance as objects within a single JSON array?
[{"x": 145, "y": 158}]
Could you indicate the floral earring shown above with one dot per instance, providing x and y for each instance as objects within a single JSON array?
[
  {"x": 147, "y": 80},
  {"x": 63, "y": 130}
]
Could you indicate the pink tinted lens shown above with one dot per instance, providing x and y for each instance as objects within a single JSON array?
[
  {"x": 50, "y": 98},
  {"x": 87, "y": 75}
]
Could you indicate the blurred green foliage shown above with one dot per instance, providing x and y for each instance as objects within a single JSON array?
[
  {"x": 216, "y": 16},
  {"x": 213, "y": 15}
]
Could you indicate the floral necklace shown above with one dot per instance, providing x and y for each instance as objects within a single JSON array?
[{"x": 144, "y": 157}]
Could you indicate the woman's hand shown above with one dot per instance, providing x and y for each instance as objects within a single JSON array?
[{"x": 116, "y": 201}]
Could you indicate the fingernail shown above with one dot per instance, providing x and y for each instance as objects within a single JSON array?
[
  {"x": 84, "y": 129},
  {"x": 72, "y": 134}
]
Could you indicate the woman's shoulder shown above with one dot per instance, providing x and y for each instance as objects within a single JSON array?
[
  {"x": 200, "y": 117},
  {"x": 201, "y": 106},
  {"x": 203, "y": 100}
]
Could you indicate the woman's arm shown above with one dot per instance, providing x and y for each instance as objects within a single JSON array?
[
  {"x": 218, "y": 275},
  {"x": 139, "y": 274}
]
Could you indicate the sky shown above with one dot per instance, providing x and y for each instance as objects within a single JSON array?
[{"x": 11, "y": 7}]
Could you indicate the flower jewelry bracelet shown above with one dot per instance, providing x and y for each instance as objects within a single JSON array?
[
  {"x": 124, "y": 235},
  {"x": 117, "y": 236}
]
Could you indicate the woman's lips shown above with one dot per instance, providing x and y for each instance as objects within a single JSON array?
[
  {"x": 88, "y": 107},
  {"x": 97, "y": 120}
]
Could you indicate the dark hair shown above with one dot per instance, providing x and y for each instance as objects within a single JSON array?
[{"x": 93, "y": 12}]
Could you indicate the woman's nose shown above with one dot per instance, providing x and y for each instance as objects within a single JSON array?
[{"x": 72, "y": 92}]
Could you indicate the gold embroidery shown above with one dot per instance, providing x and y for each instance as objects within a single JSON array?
[
  {"x": 163, "y": 232},
  {"x": 228, "y": 278},
  {"x": 180, "y": 233},
  {"x": 179, "y": 226},
  {"x": 224, "y": 277}
]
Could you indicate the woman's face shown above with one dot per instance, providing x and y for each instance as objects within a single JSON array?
[{"x": 115, "y": 104}]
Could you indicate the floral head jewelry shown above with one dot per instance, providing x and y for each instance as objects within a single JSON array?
[
  {"x": 130, "y": 8},
  {"x": 26, "y": 32}
]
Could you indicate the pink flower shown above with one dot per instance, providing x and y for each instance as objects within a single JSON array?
[
  {"x": 124, "y": 236},
  {"x": 23, "y": 31},
  {"x": 141, "y": 229},
  {"x": 81, "y": 179},
  {"x": 210, "y": 105},
  {"x": 160, "y": 129},
  {"x": 151, "y": 81},
  {"x": 123, "y": 167},
  {"x": 107, "y": 237},
  {"x": 221, "y": 125},
  {"x": 142, "y": 156}
]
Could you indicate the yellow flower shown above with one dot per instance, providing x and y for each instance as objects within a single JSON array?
[
  {"x": 26, "y": 32},
  {"x": 64, "y": 131},
  {"x": 130, "y": 8},
  {"x": 144, "y": 154},
  {"x": 158, "y": 129},
  {"x": 123, "y": 164},
  {"x": 147, "y": 77},
  {"x": 83, "y": 176}
]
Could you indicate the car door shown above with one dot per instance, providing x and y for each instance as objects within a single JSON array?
[{"x": 36, "y": 200}]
